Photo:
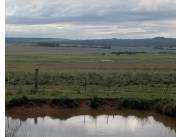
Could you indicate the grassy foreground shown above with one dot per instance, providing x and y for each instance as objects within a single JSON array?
[{"x": 145, "y": 80}]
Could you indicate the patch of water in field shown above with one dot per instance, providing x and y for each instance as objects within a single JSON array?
[
  {"x": 89, "y": 126},
  {"x": 106, "y": 60}
]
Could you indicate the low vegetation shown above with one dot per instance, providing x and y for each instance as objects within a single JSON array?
[
  {"x": 78, "y": 79},
  {"x": 127, "y": 52},
  {"x": 163, "y": 106},
  {"x": 143, "y": 80}
]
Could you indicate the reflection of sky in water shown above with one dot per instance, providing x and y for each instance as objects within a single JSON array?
[{"x": 87, "y": 126}]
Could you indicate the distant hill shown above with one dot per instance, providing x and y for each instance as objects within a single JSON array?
[
  {"x": 31, "y": 40},
  {"x": 157, "y": 42},
  {"x": 153, "y": 42}
]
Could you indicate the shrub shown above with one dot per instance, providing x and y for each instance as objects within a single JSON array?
[
  {"x": 63, "y": 101},
  {"x": 95, "y": 102},
  {"x": 18, "y": 101}
]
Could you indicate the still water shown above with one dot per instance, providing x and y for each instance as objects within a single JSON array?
[{"x": 90, "y": 126}]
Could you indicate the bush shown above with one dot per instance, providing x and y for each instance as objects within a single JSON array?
[
  {"x": 167, "y": 107},
  {"x": 164, "y": 106},
  {"x": 134, "y": 104},
  {"x": 95, "y": 102},
  {"x": 63, "y": 101},
  {"x": 18, "y": 101}
]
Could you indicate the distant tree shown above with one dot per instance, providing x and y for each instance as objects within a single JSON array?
[
  {"x": 107, "y": 47},
  {"x": 48, "y": 44}
]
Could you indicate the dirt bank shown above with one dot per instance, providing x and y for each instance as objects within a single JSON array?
[{"x": 167, "y": 107}]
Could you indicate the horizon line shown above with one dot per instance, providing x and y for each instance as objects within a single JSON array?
[{"x": 89, "y": 39}]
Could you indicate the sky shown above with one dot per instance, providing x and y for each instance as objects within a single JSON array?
[{"x": 91, "y": 19}]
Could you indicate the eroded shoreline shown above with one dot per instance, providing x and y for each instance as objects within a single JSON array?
[
  {"x": 162, "y": 106},
  {"x": 63, "y": 113}
]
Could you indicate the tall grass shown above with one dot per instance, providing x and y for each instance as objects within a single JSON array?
[{"x": 110, "y": 79}]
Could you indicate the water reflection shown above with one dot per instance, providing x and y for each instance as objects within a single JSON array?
[{"x": 88, "y": 126}]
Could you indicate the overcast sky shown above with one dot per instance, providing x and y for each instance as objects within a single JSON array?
[{"x": 89, "y": 19}]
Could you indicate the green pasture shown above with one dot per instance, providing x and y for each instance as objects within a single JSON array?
[{"x": 63, "y": 72}]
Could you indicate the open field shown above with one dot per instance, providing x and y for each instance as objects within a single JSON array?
[
  {"x": 85, "y": 73},
  {"x": 25, "y": 59}
]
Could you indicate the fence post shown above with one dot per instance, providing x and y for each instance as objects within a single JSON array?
[
  {"x": 7, "y": 74},
  {"x": 36, "y": 80},
  {"x": 85, "y": 84}
]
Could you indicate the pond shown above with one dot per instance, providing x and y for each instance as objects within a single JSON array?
[{"x": 102, "y": 125}]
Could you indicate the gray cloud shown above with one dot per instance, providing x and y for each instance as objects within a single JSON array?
[
  {"x": 93, "y": 18},
  {"x": 109, "y": 17}
]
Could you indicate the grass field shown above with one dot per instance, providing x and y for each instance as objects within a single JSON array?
[
  {"x": 82, "y": 73},
  {"x": 25, "y": 59}
]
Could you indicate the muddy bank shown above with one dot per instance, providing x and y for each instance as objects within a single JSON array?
[
  {"x": 59, "y": 112},
  {"x": 163, "y": 106}
]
